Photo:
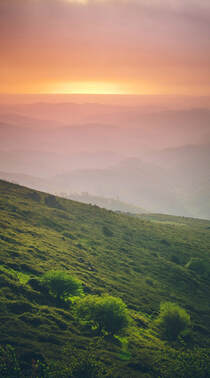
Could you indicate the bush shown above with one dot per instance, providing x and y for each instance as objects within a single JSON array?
[
  {"x": 172, "y": 320},
  {"x": 107, "y": 313},
  {"x": 61, "y": 284}
]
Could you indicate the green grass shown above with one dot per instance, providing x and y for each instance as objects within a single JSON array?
[{"x": 141, "y": 259}]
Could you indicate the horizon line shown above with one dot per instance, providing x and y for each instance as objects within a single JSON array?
[{"x": 106, "y": 94}]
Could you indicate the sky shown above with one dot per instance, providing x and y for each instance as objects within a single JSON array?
[{"x": 105, "y": 46}]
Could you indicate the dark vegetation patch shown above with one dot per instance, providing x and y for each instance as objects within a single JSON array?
[{"x": 52, "y": 201}]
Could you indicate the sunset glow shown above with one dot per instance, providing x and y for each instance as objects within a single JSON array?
[
  {"x": 88, "y": 88},
  {"x": 105, "y": 47}
]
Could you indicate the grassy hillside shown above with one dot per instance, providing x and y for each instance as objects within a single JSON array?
[{"x": 139, "y": 259}]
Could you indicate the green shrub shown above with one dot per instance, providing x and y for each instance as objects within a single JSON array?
[
  {"x": 107, "y": 313},
  {"x": 172, "y": 320},
  {"x": 61, "y": 284}
]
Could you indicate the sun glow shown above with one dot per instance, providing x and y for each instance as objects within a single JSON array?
[
  {"x": 88, "y": 87},
  {"x": 78, "y": 1}
]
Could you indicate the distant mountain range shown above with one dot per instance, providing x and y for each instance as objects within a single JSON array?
[
  {"x": 157, "y": 160},
  {"x": 174, "y": 181}
]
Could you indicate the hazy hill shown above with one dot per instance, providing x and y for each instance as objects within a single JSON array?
[
  {"x": 140, "y": 259},
  {"x": 26, "y": 180},
  {"x": 190, "y": 164},
  {"x": 174, "y": 181},
  {"x": 133, "y": 180},
  {"x": 125, "y": 128},
  {"x": 158, "y": 160},
  {"x": 190, "y": 124},
  {"x": 22, "y": 120},
  {"x": 106, "y": 203},
  {"x": 144, "y": 184},
  {"x": 47, "y": 164}
]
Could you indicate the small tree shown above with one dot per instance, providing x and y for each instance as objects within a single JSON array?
[
  {"x": 172, "y": 320},
  {"x": 107, "y": 313},
  {"x": 61, "y": 284}
]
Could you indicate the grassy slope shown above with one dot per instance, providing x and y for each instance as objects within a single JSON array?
[{"x": 129, "y": 257}]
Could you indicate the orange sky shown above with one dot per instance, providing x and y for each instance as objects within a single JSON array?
[{"x": 105, "y": 46}]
